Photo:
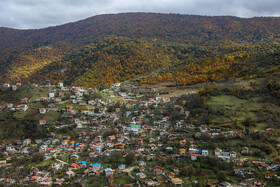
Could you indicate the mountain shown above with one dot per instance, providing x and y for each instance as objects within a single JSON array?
[
  {"x": 28, "y": 53},
  {"x": 191, "y": 29}
]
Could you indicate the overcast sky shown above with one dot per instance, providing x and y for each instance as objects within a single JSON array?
[{"x": 30, "y": 14}]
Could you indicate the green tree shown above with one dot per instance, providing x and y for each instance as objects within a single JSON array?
[
  {"x": 130, "y": 159},
  {"x": 37, "y": 157},
  {"x": 187, "y": 171},
  {"x": 221, "y": 176}
]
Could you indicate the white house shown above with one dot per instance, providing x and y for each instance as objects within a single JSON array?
[
  {"x": 60, "y": 84},
  {"x": 42, "y": 122},
  {"x": 6, "y": 85},
  {"x": 22, "y": 107},
  {"x": 205, "y": 153},
  {"x": 194, "y": 156},
  {"x": 51, "y": 95},
  {"x": 14, "y": 87},
  {"x": 42, "y": 110}
]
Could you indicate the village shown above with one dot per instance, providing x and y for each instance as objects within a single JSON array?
[{"x": 126, "y": 137}]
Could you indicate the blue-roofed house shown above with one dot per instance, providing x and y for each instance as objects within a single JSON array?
[
  {"x": 47, "y": 142},
  {"x": 108, "y": 172},
  {"x": 83, "y": 164},
  {"x": 96, "y": 166},
  {"x": 98, "y": 149},
  {"x": 122, "y": 166},
  {"x": 205, "y": 153}
]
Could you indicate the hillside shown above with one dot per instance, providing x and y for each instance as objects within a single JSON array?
[
  {"x": 114, "y": 59},
  {"x": 233, "y": 64},
  {"x": 107, "y": 61},
  {"x": 168, "y": 43},
  {"x": 195, "y": 30}
]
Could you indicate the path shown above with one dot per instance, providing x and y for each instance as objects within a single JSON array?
[{"x": 129, "y": 170}]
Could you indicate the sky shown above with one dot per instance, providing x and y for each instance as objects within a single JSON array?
[{"x": 34, "y": 14}]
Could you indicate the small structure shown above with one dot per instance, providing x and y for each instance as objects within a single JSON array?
[
  {"x": 108, "y": 172},
  {"x": 22, "y": 107},
  {"x": 245, "y": 150},
  {"x": 60, "y": 84},
  {"x": 205, "y": 153},
  {"x": 48, "y": 83},
  {"x": 51, "y": 95},
  {"x": 6, "y": 85},
  {"x": 194, "y": 156},
  {"x": 42, "y": 122},
  {"x": 176, "y": 181},
  {"x": 42, "y": 110},
  {"x": 14, "y": 87}
]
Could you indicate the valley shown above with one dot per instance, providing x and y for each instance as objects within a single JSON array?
[{"x": 141, "y": 99}]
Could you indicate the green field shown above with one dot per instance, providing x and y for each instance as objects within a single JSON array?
[
  {"x": 106, "y": 95},
  {"x": 228, "y": 109},
  {"x": 31, "y": 93},
  {"x": 32, "y": 113}
]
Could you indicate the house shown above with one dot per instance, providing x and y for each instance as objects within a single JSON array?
[
  {"x": 251, "y": 182},
  {"x": 141, "y": 168},
  {"x": 110, "y": 179},
  {"x": 191, "y": 141},
  {"x": 111, "y": 138},
  {"x": 61, "y": 94},
  {"x": 141, "y": 175},
  {"x": 232, "y": 154},
  {"x": 24, "y": 100},
  {"x": 51, "y": 95},
  {"x": 70, "y": 173},
  {"x": 3, "y": 163},
  {"x": 22, "y": 107},
  {"x": 218, "y": 152},
  {"x": 73, "y": 166},
  {"x": 42, "y": 110},
  {"x": 245, "y": 150},
  {"x": 182, "y": 151},
  {"x": 10, "y": 105},
  {"x": 122, "y": 167},
  {"x": 208, "y": 184},
  {"x": 183, "y": 142},
  {"x": 60, "y": 84},
  {"x": 83, "y": 163},
  {"x": 96, "y": 166},
  {"x": 42, "y": 122},
  {"x": 57, "y": 100},
  {"x": 150, "y": 182},
  {"x": 194, "y": 156},
  {"x": 35, "y": 178},
  {"x": 177, "y": 181},
  {"x": 108, "y": 172},
  {"x": 225, "y": 184},
  {"x": 6, "y": 85},
  {"x": 269, "y": 175},
  {"x": 10, "y": 181},
  {"x": 27, "y": 142},
  {"x": 239, "y": 162},
  {"x": 159, "y": 171},
  {"x": 205, "y": 153},
  {"x": 175, "y": 169},
  {"x": 153, "y": 146},
  {"x": 170, "y": 175},
  {"x": 14, "y": 87},
  {"x": 119, "y": 145}
]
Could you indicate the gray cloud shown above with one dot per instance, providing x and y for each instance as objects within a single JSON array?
[{"x": 43, "y": 13}]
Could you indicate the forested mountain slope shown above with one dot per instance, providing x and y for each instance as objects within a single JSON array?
[{"x": 167, "y": 43}]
